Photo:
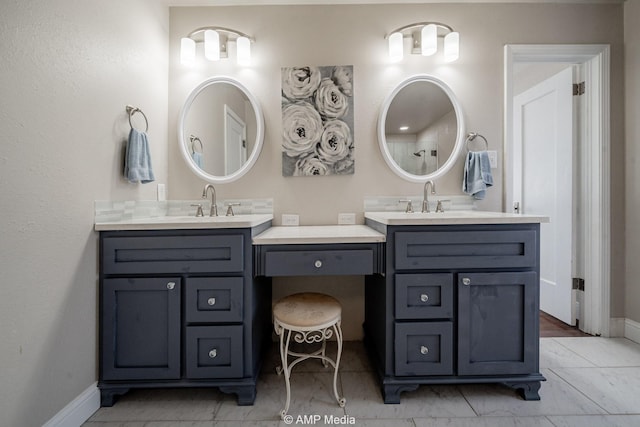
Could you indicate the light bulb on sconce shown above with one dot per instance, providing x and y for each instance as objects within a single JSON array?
[
  {"x": 215, "y": 40},
  {"x": 424, "y": 37}
]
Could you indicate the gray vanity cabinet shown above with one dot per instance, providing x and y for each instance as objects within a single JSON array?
[
  {"x": 181, "y": 308},
  {"x": 457, "y": 304}
]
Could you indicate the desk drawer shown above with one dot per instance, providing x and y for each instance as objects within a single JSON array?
[
  {"x": 465, "y": 249},
  {"x": 213, "y": 299},
  {"x": 319, "y": 263},
  {"x": 214, "y": 352},
  {"x": 172, "y": 254},
  {"x": 424, "y": 348},
  {"x": 424, "y": 296}
]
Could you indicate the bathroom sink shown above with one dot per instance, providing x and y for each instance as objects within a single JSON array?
[
  {"x": 451, "y": 217},
  {"x": 183, "y": 221}
]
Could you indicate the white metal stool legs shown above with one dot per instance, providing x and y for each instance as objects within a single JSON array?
[{"x": 308, "y": 337}]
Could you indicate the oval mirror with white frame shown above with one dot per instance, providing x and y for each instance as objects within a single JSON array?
[
  {"x": 421, "y": 128},
  {"x": 220, "y": 130}
]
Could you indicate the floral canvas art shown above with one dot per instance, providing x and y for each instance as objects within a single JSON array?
[{"x": 317, "y": 121}]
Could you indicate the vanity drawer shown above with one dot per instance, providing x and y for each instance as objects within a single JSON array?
[
  {"x": 319, "y": 262},
  {"x": 424, "y": 296},
  {"x": 214, "y": 351},
  {"x": 172, "y": 254},
  {"x": 424, "y": 348},
  {"x": 213, "y": 299},
  {"x": 465, "y": 249}
]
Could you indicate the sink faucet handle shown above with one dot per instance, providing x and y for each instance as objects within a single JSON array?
[
  {"x": 230, "y": 208},
  {"x": 409, "y": 208},
  {"x": 439, "y": 206},
  {"x": 198, "y": 207}
]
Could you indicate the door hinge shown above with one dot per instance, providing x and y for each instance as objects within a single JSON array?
[
  {"x": 578, "y": 89},
  {"x": 578, "y": 284}
]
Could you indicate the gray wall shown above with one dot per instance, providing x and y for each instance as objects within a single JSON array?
[
  {"x": 68, "y": 69},
  {"x": 354, "y": 35}
]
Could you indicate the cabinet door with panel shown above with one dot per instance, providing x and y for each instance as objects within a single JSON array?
[
  {"x": 140, "y": 328},
  {"x": 497, "y": 323}
]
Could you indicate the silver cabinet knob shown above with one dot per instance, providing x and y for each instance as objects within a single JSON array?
[
  {"x": 466, "y": 281},
  {"x": 213, "y": 353},
  {"x": 424, "y": 350},
  {"x": 318, "y": 263},
  {"x": 424, "y": 297},
  {"x": 171, "y": 285},
  {"x": 211, "y": 301}
]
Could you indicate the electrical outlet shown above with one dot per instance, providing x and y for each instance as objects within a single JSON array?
[
  {"x": 162, "y": 193},
  {"x": 290, "y": 219},
  {"x": 493, "y": 159},
  {"x": 346, "y": 218}
]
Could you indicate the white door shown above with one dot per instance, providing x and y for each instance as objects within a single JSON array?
[
  {"x": 542, "y": 182},
  {"x": 235, "y": 135}
]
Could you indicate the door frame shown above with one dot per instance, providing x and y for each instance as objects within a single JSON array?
[{"x": 594, "y": 200}]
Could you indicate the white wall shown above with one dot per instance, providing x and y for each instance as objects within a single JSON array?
[
  {"x": 354, "y": 35},
  {"x": 68, "y": 69},
  {"x": 632, "y": 112}
]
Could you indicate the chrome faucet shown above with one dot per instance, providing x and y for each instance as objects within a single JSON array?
[
  {"x": 214, "y": 208},
  {"x": 425, "y": 200}
]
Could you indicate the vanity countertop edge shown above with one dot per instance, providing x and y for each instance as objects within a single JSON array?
[
  {"x": 318, "y": 234},
  {"x": 185, "y": 222},
  {"x": 453, "y": 218}
]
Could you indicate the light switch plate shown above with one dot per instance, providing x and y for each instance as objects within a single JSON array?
[{"x": 493, "y": 159}]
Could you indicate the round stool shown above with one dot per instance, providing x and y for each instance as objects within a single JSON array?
[{"x": 308, "y": 318}]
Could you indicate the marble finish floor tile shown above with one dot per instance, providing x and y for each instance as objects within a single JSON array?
[
  {"x": 485, "y": 422},
  {"x": 311, "y": 393},
  {"x": 596, "y": 421},
  {"x": 555, "y": 355},
  {"x": 556, "y": 398},
  {"x": 617, "y": 390},
  {"x": 604, "y": 352},
  {"x": 364, "y": 400}
]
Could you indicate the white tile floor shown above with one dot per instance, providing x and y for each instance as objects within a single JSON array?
[{"x": 591, "y": 382}]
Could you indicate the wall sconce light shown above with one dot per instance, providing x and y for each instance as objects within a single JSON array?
[
  {"x": 215, "y": 41},
  {"x": 424, "y": 40}
]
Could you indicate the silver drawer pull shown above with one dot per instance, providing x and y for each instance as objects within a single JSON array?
[
  {"x": 318, "y": 263},
  {"x": 171, "y": 285},
  {"x": 466, "y": 281},
  {"x": 424, "y": 350},
  {"x": 213, "y": 353},
  {"x": 211, "y": 301},
  {"x": 424, "y": 297}
]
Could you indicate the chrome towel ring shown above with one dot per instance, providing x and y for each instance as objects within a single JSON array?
[
  {"x": 131, "y": 111},
  {"x": 474, "y": 135},
  {"x": 193, "y": 140}
]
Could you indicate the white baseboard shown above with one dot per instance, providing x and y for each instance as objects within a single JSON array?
[
  {"x": 616, "y": 327},
  {"x": 632, "y": 330},
  {"x": 78, "y": 410}
]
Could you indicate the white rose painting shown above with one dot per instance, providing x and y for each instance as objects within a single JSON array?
[{"x": 317, "y": 121}]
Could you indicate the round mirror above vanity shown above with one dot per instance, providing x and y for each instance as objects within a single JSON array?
[
  {"x": 220, "y": 130},
  {"x": 421, "y": 128}
]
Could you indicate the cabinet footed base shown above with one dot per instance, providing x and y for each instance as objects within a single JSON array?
[
  {"x": 246, "y": 394},
  {"x": 391, "y": 393},
  {"x": 528, "y": 390}
]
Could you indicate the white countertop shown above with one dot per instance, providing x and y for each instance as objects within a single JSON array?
[
  {"x": 185, "y": 222},
  {"x": 452, "y": 218},
  {"x": 314, "y": 234}
]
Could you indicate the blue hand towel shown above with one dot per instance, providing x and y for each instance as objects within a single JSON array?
[
  {"x": 137, "y": 161},
  {"x": 477, "y": 174},
  {"x": 197, "y": 158}
]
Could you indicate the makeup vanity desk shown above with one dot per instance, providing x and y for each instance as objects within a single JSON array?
[{"x": 448, "y": 299}]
